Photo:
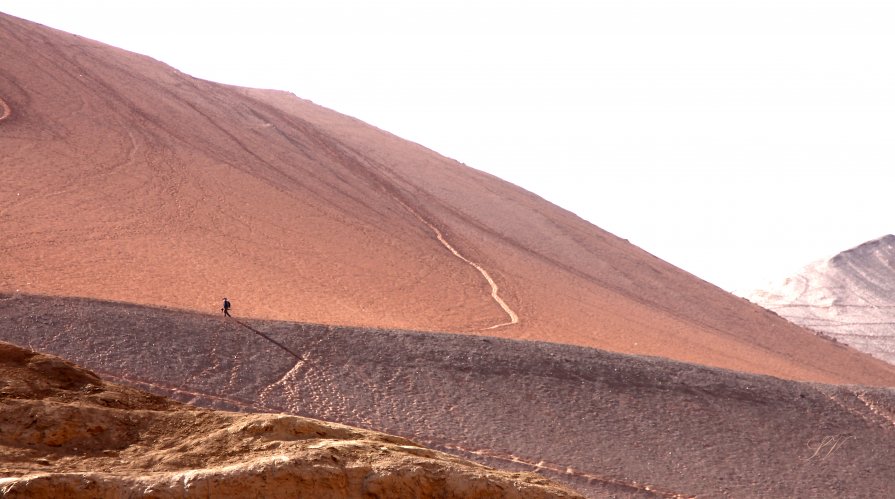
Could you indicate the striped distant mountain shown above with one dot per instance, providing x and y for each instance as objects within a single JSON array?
[{"x": 850, "y": 297}]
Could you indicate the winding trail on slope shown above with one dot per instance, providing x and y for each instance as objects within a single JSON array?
[
  {"x": 514, "y": 318},
  {"x": 5, "y": 110}
]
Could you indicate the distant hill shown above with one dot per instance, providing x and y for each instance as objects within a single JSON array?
[
  {"x": 605, "y": 424},
  {"x": 127, "y": 180},
  {"x": 850, "y": 297}
]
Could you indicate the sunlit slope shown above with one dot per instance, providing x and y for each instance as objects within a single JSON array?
[{"x": 128, "y": 180}]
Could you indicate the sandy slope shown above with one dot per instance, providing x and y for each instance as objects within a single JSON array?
[
  {"x": 125, "y": 179},
  {"x": 603, "y": 423},
  {"x": 850, "y": 297},
  {"x": 64, "y": 432}
]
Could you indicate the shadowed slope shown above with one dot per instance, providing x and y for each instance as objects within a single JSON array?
[
  {"x": 603, "y": 423},
  {"x": 64, "y": 432},
  {"x": 128, "y": 180}
]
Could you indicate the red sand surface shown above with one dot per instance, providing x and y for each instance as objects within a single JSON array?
[{"x": 125, "y": 179}]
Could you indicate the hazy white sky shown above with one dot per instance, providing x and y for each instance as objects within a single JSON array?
[{"x": 738, "y": 140}]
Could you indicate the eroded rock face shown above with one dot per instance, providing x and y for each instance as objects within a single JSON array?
[{"x": 66, "y": 433}]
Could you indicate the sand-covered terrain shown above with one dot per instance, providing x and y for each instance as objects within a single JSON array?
[
  {"x": 849, "y": 297},
  {"x": 125, "y": 179},
  {"x": 5, "y": 111},
  {"x": 375, "y": 284},
  {"x": 604, "y": 424},
  {"x": 64, "y": 432}
]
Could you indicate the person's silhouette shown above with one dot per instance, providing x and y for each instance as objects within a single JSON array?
[{"x": 226, "y": 308}]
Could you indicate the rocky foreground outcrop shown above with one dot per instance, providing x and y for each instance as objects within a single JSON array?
[{"x": 64, "y": 432}]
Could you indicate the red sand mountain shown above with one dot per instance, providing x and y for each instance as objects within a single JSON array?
[{"x": 125, "y": 179}]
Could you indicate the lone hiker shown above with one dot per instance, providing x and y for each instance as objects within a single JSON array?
[{"x": 226, "y": 308}]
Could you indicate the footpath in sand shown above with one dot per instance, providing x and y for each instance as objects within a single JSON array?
[
  {"x": 5, "y": 110},
  {"x": 495, "y": 291}
]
